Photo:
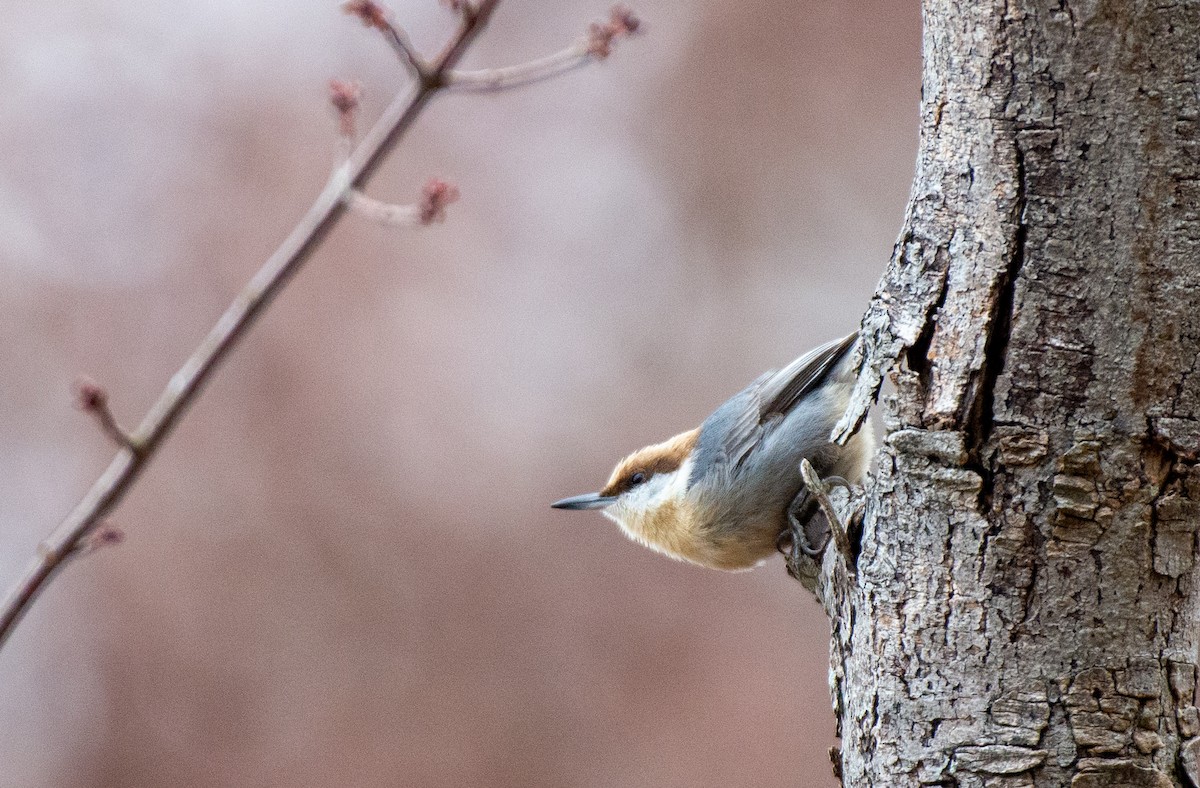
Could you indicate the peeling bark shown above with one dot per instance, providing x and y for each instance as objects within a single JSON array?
[{"x": 1025, "y": 607}]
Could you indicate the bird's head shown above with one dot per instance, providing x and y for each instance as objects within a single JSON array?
[{"x": 641, "y": 482}]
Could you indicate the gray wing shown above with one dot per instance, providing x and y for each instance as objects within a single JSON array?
[
  {"x": 786, "y": 387},
  {"x": 733, "y": 430}
]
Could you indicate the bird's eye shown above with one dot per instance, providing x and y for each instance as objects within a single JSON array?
[{"x": 637, "y": 478}]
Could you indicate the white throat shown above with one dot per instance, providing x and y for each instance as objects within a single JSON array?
[{"x": 642, "y": 511}]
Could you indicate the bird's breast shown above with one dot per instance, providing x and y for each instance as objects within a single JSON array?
[{"x": 690, "y": 531}]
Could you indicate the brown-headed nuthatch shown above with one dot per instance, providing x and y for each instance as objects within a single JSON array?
[{"x": 724, "y": 494}]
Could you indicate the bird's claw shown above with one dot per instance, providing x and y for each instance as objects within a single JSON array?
[
  {"x": 803, "y": 561},
  {"x": 801, "y": 543},
  {"x": 819, "y": 488},
  {"x": 800, "y": 517}
]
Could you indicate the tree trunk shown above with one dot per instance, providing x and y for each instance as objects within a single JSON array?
[{"x": 1024, "y": 610}]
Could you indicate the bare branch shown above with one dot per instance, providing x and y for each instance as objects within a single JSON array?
[
  {"x": 435, "y": 196},
  {"x": 87, "y": 518},
  {"x": 86, "y": 528}
]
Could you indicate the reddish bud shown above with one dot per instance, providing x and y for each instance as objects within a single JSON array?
[
  {"x": 601, "y": 36},
  {"x": 623, "y": 20},
  {"x": 436, "y": 195},
  {"x": 89, "y": 396},
  {"x": 344, "y": 97},
  {"x": 457, "y": 6},
  {"x": 106, "y": 535},
  {"x": 370, "y": 13}
]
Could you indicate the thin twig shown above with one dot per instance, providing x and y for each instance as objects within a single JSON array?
[
  {"x": 493, "y": 79},
  {"x": 596, "y": 45},
  {"x": 384, "y": 212},
  {"x": 435, "y": 196},
  {"x": 186, "y": 384},
  {"x": 398, "y": 38},
  {"x": 92, "y": 398}
]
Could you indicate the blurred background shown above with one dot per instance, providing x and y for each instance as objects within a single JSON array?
[{"x": 343, "y": 569}]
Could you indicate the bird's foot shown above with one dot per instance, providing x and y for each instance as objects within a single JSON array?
[
  {"x": 802, "y": 534},
  {"x": 803, "y": 540},
  {"x": 819, "y": 489}
]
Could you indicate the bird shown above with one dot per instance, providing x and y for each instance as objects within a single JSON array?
[{"x": 729, "y": 493}]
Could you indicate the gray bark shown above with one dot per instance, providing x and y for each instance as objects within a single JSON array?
[{"x": 1024, "y": 611}]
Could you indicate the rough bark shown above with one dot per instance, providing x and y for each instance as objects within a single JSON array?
[{"x": 1024, "y": 611}]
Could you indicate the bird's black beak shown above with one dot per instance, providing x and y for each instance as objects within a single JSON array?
[{"x": 585, "y": 501}]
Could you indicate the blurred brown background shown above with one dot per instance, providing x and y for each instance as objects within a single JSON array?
[{"x": 342, "y": 570}]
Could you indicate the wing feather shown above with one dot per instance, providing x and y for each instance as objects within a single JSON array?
[
  {"x": 731, "y": 433},
  {"x": 786, "y": 387}
]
